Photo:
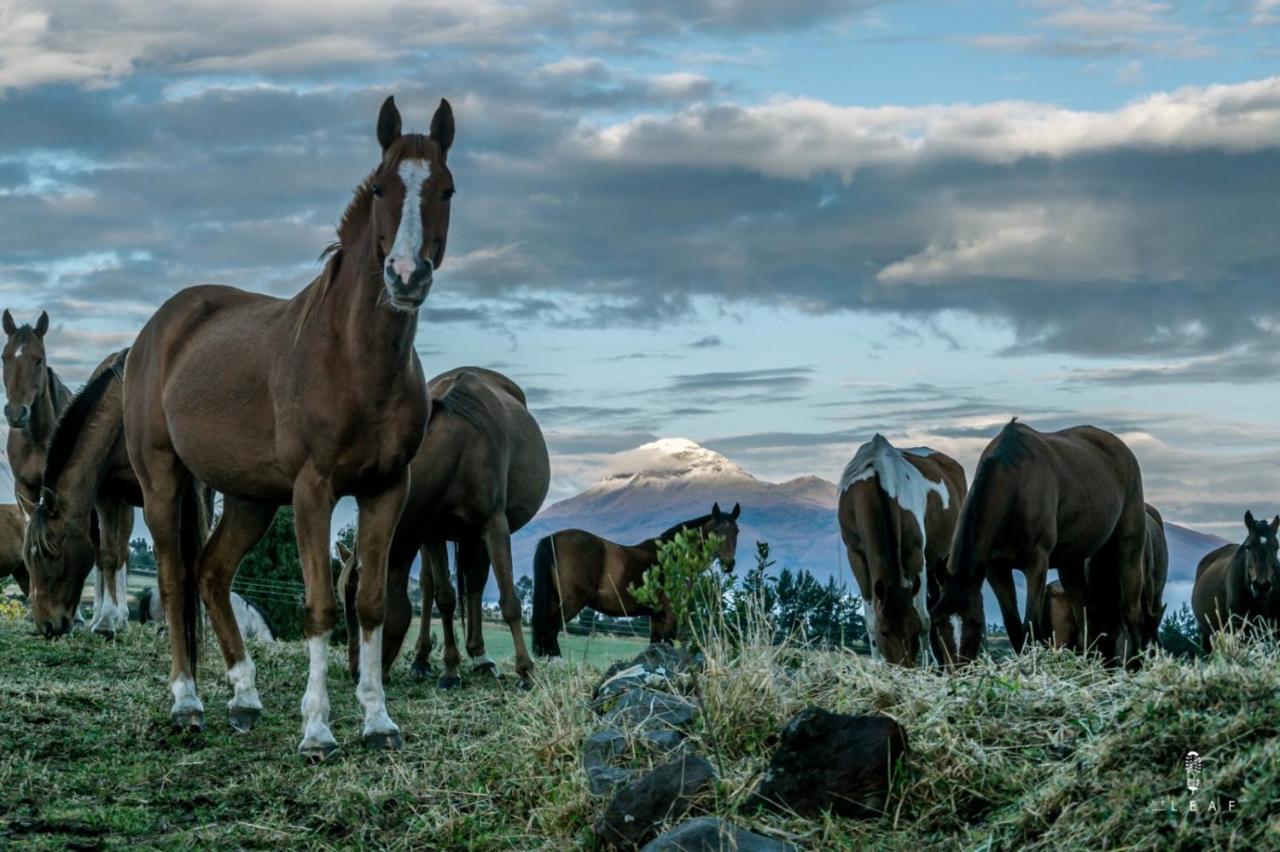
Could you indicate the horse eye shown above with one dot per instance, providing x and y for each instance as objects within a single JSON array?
[
  {"x": 448, "y": 193},
  {"x": 377, "y": 191}
]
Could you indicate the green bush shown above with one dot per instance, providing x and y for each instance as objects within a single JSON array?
[{"x": 680, "y": 583}]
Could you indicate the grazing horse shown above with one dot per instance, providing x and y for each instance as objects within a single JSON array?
[
  {"x": 295, "y": 401},
  {"x": 252, "y": 621},
  {"x": 481, "y": 473},
  {"x": 573, "y": 569},
  {"x": 12, "y": 526},
  {"x": 1240, "y": 583},
  {"x": 897, "y": 511},
  {"x": 1058, "y": 623},
  {"x": 1059, "y": 499},
  {"x": 85, "y": 512}
]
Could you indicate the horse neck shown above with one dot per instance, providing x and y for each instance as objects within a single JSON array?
[
  {"x": 45, "y": 409},
  {"x": 84, "y": 471}
]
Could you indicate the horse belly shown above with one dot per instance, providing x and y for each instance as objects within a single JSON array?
[{"x": 612, "y": 596}]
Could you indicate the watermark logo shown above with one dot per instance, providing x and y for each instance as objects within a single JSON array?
[
  {"x": 1210, "y": 804},
  {"x": 1195, "y": 766}
]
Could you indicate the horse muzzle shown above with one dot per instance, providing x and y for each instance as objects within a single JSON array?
[
  {"x": 17, "y": 416},
  {"x": 408, "y": 294},
  {"x": 1261, "y": 589},
  {"x": 54, "y": 626}
]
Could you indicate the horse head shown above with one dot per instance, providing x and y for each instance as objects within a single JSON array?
[
  {"x": 59, "y": 556},
  {"x": 725, "y": 525},
  {"x": 1261, "y": 562},
  {"x": 25, "y": 376}
]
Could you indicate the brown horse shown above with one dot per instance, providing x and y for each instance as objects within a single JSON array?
[
  {"x": 299, "y": 401},
  {"x": 34, "y": 400},
  {"x": 85, "y": 513},
  {"x": 573, "y": 569},
  {"x": 1064, "y": 499},
  {"x": 481, "y": 473},
  {"x": 1058, "y": 623},
  {"x": 12, "y": 526},
  {"x": 897, "y": 512},
  {"x": 1239, "y": 584}
]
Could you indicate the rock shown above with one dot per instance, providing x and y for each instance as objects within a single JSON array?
[
  {"x": 709, "y": 834},
  {"x": 607, "y": 780},
  {"x": 600, "y": 747},
  {"x": 830, "y": 760},
  {"x": 637, "y": 812},
  {"x": 664, "y": 739},
  {"x": 658, "y": 666},
  {"x": 651, "y": 710}
]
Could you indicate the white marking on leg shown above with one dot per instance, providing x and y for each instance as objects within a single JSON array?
[
  {"x": 922, "y": 610},
  {"x": 243, "y": 677},
  {"x": 122, "y": 596},
  {"x": 99, "y": 598},
  {"x": 869, "y": 619},
  {"x": 369, "y": 690},
  {"x": 484, "y": 660},
  {"x": 315, "y": 701},
  {"x": 185, "y": 699}
]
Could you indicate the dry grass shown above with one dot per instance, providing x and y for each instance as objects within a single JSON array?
[{"x": 1043, "y": 751}]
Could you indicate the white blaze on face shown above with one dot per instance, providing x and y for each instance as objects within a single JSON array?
[{"x": 403, "y": 258}]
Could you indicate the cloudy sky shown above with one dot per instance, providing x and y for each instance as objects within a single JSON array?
[{"x": 774, "y": 228}]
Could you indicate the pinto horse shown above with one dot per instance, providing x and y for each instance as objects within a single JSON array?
[
  {"x": 573, "y": 569},
  {"x": 1057, "y": 621},
  {"x": 481, "y": 473},
  {"x": 295, "y": 401},
  {"x": 1239, "y": 584},
  {"x": 1059, "y": 499},
  {"x": 897, "y": 512}
]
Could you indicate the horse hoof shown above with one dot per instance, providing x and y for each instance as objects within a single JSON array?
[
  {"x": 314, "y": 753},
  {"x": 243, "y": 718},
  {"x": 386, "y": 741},
  {"x": 187, "y": 721},
  {"x": 524, "y": 684},
  {"x": 488, "y": 667},
  {"x": 422, "y": 671},
  {"x": 449, "y": 682}
]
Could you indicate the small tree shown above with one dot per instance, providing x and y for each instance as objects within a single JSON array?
[
  {"x": 270, "y": 575},
  {"x": 524, "y": 589},
  {"x": 1180, "y": 634},
  {"x": 680, "y": 583}
]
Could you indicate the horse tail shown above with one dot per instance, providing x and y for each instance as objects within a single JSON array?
[
  {"x": 544, "y": 598},
  {"x": 194, "y": 527}
]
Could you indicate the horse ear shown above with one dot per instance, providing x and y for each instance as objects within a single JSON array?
[
  {"x": 1275, "y": 524},
  {"x": 9, "y": 325},
  {"x": 388, "y": 123},
  {"x": 42, "y": 324},
  {"x": 49, "y": 499},
  {"x": 1248, "y": 520},
  {"x": 737, "y": 510},
  {"x": 715, "y": 511},
  {"x": 442, "y": 127}
]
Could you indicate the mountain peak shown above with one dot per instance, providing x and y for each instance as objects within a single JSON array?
[{"x": 670, "y": 459}]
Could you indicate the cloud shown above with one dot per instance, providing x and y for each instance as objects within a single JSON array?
[{"x": 710, "y": 341}]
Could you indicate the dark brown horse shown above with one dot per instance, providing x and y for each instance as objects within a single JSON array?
[
  {"x": 34, "y": 400},
  {"x": 897, "y": 512},
  {"x": 85, "y": 513},
  {"x": 1239, "y": 584},
  {"x": 481, "y": 473},
  {"x": 1057, "y": 621},
  {"x": 573, "y": 569},
  {"x": 1059, "y": 499},
  {"x": 12, "y": 526},
  {"x": 298, "y": 401}
]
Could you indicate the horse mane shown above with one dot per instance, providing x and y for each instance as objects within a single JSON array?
[
  {"x": 356, "y": 217},
  {"x": 691, "y": 524},
  {"x": 66, "y": 434},
  {"x": 58, "y": 390}
]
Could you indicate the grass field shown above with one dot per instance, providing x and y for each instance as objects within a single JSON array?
[{"x": 1043, "y": 751}]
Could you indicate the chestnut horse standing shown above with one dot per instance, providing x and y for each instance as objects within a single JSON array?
[
  {"x": 573, "y": 569},
  {"x": 1062, "y": 499},
  {"x": 12, "y": 565},
  {"x": 1240, "y": 583},
  {"x": 897, "y": 512},
  {"x": 299, "y": 401},
  {"x": 1057, "y": 621},
  {"x": 481, "y": 473},
  {"x": 86, "y": 507}
]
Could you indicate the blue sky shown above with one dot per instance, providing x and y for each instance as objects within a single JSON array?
[{"x": 772, "y": 228}]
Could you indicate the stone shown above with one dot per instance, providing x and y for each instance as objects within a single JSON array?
[
  {"x": 602, "y": 746},
  {"x": 638, "y": 811},
  {"x": 832, "y": 761},
  {"x": 663, "y": 739},
  {"x": 651, "y": 710},
  {"x": 607, "y": 780},
  {"x": 709, "y": 834}
]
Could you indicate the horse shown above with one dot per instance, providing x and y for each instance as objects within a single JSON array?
[
  {"x": 897, "y": 512},
  {"x": 1239, "y": 584},
  {"x": 295, "y": 401},
  {"x": 481, "y": 473},
  {"x": 85, "y": 510},
  {"x": 251, "y": 620},
  {"x": 12, "y": 527},
  {"x": 573, "y": 569},
  {"x": 34, "y": 400},
  {"x": 1064, "y": 499},
  {"x": 1058, "y": 625}
]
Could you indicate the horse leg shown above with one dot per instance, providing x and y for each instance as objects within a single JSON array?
[
  {"x": 421, "y": 668},
  {"x": 242, "y": 525},
  {"x": 1001, "y": 579},
  {"x": 99, "y": 601},
  {"x": 1131, "y": 571},
  {"x": 473, "y": 568},
  {"x": 447, "y": 601},
  {"x": 348, "y": 580},
  {"x": 1075, "y": 584},
  {"x": 399, "y": 608},
  {"x": 497, "y": 541},
  {"x": 1037, "y": 574},
  {"x": 379, "y": 517},
  {"x": 942, "y": 634},
  {"x": 111, "y": 608},
  {"x": 313, "y": 501}
]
